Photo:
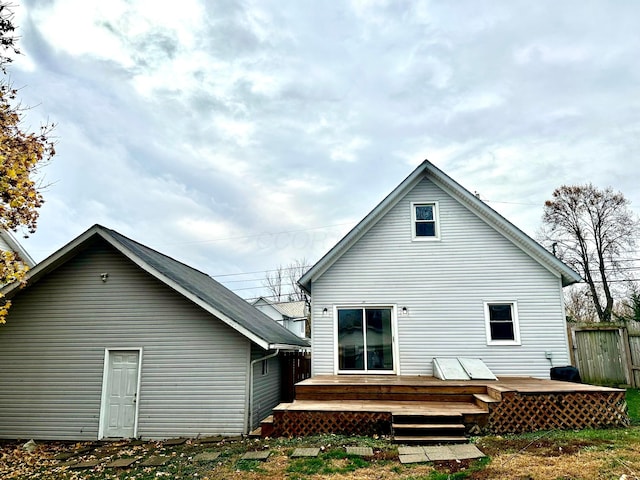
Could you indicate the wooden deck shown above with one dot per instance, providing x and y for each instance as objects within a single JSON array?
[{"x": 368, "y": 404}]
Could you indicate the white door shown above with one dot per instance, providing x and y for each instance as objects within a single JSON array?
[{"x": 121, "y": 394}]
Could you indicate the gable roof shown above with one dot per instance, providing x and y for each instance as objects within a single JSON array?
[
  {"x": 466, "y": 198},
  {"x": 293, "y": 309},
  {"x": 194, "y": 285},
  {"x": 10, "y": 241}
]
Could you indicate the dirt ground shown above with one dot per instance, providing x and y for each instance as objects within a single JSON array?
[{"x": 612, "y": 454}]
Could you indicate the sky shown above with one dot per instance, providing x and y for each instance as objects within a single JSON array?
[{"x": 238, "y": 136}]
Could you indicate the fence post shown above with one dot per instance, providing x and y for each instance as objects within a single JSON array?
[
  {"x": 572, "y": 347},
  {"x": 626, "y": 348}
]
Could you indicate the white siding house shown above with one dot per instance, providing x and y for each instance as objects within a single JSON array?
[
  {"x": 291, "y": 315},
  {"x": 111, "y": 339},
  {"x": 433, "y": 271}
]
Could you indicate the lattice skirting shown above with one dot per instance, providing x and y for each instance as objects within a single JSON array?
[
  {"x": 294, "y": 423},
  {"x": 521, "y": 412}
]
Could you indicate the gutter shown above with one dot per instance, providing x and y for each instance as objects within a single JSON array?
[{"x": 253, "y": 362}]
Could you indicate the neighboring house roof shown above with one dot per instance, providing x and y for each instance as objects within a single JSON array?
[
  {"x": 291, "y": 310},
  {"x": 466, "y": 198},
  {"x": 7, "y": 239},
  {"x": 189, "y": 282}
]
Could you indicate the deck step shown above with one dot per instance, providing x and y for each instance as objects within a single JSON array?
[
  {"x": 429, "y": 440},
  {"x": 429, "y": 426},
  {"x": 424, "y": 429},
  {"x": 266, "y": 427},
  {"x": 420, "y": 417},
  {"x": 485, "y": 398}
]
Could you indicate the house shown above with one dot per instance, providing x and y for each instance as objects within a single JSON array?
[
  {"x": 432, "y": 271},
  {"x": 9, "y": 243},
  {"x": 111, "y": 339},
  {"x": 291, "y": 315}
]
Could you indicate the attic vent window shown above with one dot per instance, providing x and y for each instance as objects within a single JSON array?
[{"x": 425, "y": 221}]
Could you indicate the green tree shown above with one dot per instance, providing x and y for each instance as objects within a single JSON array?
[
  {"x": 21, "y": 154},
  {"x": 629, "y": 308},
  {"x": 593, "y": 231}
]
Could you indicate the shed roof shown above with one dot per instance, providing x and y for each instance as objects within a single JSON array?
[
  {"x": 193, "y": 284},
  {"x": 466, "y": 198}
]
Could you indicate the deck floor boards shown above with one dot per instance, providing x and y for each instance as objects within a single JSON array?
[
  {"x": 399, "y": 407},
  {"x": 516, "y": 384}
]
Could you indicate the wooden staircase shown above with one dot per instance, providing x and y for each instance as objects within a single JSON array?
[{"x": 418, "y": 428}]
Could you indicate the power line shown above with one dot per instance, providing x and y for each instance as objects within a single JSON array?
[
  {"x": 511, "y": 203},
  {"x": 212, "y": 240},
  {"x": 261, "y": 271}
]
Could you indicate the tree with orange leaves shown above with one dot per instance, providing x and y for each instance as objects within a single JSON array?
[{"x": 21, "y": 154}]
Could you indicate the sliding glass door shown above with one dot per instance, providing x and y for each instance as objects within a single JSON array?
[{"x": 365, "y": 340}]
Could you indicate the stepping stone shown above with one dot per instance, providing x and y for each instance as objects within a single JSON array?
[
  {"x": 121, "y": 463},
  {"x": 435, "y": 453},
  {"x": 361, "y": 451},
  {"x": 206, "y": 457},
  {"x": 155, "y": 461},
  {"x": 413, "y": 458},
  {"x": 466, "y": 451},
  {"x": 175, "y": 441},
  {"x": 83, "y": 465},
  {"x": 410, "y": 451},
  {"x": 262, "y": 456},
  {"x": 233, "y": 439},
  {"x": 214, "y": 439},
  {"x": 305, "y": 452},
  {"x": 83, "y": 450},
  {"x": 65, "y": 455}
]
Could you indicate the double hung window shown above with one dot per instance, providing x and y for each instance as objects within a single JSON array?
[
  {"x": 425, "y": 221},
  {"x": 502, "y": 323}
]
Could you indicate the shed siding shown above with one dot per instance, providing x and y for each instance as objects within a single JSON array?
[
  {"x": 266, "y": 388},
  {"x": 194, "y": 368},
  {"x": 444, "y": 285}
]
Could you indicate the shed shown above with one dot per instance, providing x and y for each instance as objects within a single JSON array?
[{"x": 112, "y": 339}]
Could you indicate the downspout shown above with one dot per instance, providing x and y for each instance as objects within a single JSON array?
[{"x": 253, "y": 362}]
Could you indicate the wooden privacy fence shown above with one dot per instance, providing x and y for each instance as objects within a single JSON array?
[
  {"x": 606, "y": 355},
  {"x": 296, "y": 366}
]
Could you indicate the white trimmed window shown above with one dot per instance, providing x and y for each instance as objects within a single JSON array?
[
  {"x": 425, "y": 221},
  {"x": 502, "y": 324}
]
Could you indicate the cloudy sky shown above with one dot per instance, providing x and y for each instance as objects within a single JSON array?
[{"x": 236, "y": 136}]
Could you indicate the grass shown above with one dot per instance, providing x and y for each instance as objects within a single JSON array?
[
  {"x": 633, "y": 404},
  {"x": 330, "y": 463}
]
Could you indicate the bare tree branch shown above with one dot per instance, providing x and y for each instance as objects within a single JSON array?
[{"x": 594, "y": 231}]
